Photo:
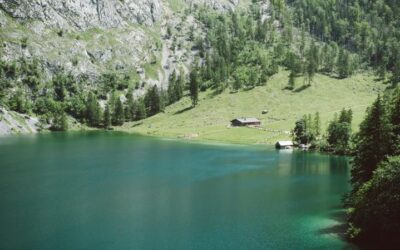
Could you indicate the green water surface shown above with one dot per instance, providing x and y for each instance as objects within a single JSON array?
[{"x": 103, "y": 190}]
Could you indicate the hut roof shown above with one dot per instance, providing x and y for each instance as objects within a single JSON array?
[
  {"x": 284, "y": 143},
  {"x": 247, "y": 120}
]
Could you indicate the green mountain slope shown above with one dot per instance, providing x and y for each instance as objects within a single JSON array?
[{"x": 210, "y": 119}]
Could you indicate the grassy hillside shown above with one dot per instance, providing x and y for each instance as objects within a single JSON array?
[{"x": 210, "y": 119}]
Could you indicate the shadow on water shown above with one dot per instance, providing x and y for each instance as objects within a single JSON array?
[
  {"x": 340, "y": 229},
  {"x": 304, "y": 164},
  {"x": 338, "y": 216},
  {"x": 337, "y": 207}
]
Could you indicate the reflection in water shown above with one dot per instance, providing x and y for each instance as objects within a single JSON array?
[
  {"x": 313, "y": 176},
  {"x": 296, "y": 162}
]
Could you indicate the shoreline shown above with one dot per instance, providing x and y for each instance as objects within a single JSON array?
[
  {"x": 156, "y": 136},
  {"x": 222, "y": 143},
  {"x": 167, "y": 138},
  {"x": 191, "y": 140}
]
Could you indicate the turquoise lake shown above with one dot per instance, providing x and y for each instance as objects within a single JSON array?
[{"x": 102, "y": 190}]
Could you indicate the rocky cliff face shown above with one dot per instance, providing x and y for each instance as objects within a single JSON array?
[
  {"x": 93, "y": 37},
  {"x": 84, "y": 14},
  {"x": 220, "y": 5},
  {"x": 81, "y": 36},
  {"x": 14, "y": 123}
]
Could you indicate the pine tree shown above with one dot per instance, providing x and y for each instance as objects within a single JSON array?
[
  {"x": 300, "y": 131},
  {"x": 372, "y": 144},
  {"x": 60, "y": 122},
  {"x": 59, "y": 82},
  {"x": 338, "y": 133},
  {"x": 394, "y": 119},
  {"x": 293, "y": 63},
  {"x": 236, "y": 84},
  {"x": 325, "y": 58},
  {"x": 18, "y": 102},
  {"x": 309, "y": 125},
  {"x": 172, "y": 95},
  {"x": 381, "y": 71},
  {"x": 208, "y": 68},
  {"x": 235, "y": 24},
  {"x": 130, "y": 108},
  {"x": 249, "y": 27},
  {"x": 194, "y": 87},
  {"x": 152, "y": 101},
  {"x": 395, "y": 79},
  {"x": 329, "y": 54},
  {"x": 260, "y": 33},
  {"x": 292, "y": 81},
  {"x": 169, "y": 32},
  {"x": 346, "y": 116},
  {"x": 312, "y": 62},
  {"x": 111, "y": 102},
  {"x": 93, "y": 113},
  {"x": 303, "y": 41},
  {"x": 140, "y": 109},
  {"x": 253, "y": 77},
  {"x": 119, "y": 114},
  {"x": 163, "y": 99},
  {"x": 64, "y": 122},
  {"x": 107, "y": 117},
  {"x": 343, "y": 64},
  {"x": 317, "y": 124},
  {"x": 179, "y": 85}
]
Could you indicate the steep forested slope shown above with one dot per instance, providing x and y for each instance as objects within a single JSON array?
[
  {"x": 374, "y": 202},
  {"x": 369, "y": 28}
]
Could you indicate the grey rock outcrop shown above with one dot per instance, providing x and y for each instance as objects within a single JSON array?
[
  {"x": 11, "y": 122},
  {"x": 84, "y": 14},
  {"x": 220, "y": 5}
]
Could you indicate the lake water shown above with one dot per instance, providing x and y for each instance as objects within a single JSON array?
[{"x": 117, "y": 191}]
